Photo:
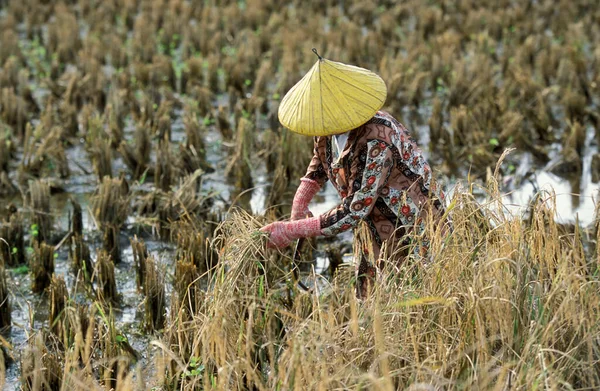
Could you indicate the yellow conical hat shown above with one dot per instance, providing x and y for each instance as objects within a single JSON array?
[{"x": 332, "y": 98}]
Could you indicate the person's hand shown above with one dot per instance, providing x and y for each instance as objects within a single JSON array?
[
  {"x": 305, "y": 193},
  {"x": 278, "y": 235},
  {"x": 282, "y": 233}
]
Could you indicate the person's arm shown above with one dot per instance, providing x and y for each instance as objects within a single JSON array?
[
  {"x": 369, "y": 174},
  {"x": 304, "y": 194},
  {"x": 310, "y": 184},
  {"x": 282, "y": 233}
]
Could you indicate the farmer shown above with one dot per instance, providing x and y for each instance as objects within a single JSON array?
[{"x": 376, "y": 167}]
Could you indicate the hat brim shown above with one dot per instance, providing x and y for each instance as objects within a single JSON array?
[{"x": 332, "y": 98}]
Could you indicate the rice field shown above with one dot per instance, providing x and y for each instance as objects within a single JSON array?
[{"x": 140, "y": 152}]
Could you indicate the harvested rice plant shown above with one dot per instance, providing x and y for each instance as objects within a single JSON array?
[{"x": 142, "y": 156}]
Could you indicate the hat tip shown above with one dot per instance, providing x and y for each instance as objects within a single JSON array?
[{"x": 315, "y": 52}]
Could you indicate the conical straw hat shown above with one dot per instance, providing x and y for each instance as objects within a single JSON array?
[{"x": 332, "y": 98}]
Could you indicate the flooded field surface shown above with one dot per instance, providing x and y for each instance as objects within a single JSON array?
[{"x": 140, "y": 152}]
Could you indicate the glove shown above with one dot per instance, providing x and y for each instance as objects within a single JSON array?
[
  {"x": 282, "y": 233},
  {"x": 306, "y": 191}
]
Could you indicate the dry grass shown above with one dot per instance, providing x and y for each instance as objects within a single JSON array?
[
  {"x": 155, "y": 302},
  {"x": 110, "y": 205},
  {"x": 12, "y": 247},
  {"x": 5, "y": 306},
  {"x": 42, "y": 267},
  {"x": 105, "y": 279},
  {"x": 39, "y": 203},
  {"x": 504, "y": 302}
]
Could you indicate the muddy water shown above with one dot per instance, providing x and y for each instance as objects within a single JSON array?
[{"x": 575, "y": 197}]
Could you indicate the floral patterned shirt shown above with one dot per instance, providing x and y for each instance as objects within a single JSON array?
[{"x": 382, "y": 178}]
